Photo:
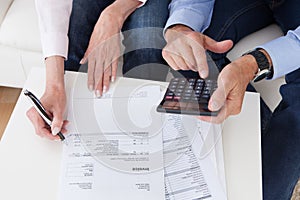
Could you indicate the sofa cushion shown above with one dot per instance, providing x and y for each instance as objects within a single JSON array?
[
  {"x": 19, "y": 28},
  {"x": 5, "y": 4}
]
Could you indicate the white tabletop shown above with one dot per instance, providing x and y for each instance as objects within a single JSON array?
[{"x": 30, "y": 165}]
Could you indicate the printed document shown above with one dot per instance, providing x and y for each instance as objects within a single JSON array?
[
  {"x": 107, "y": 161},
  {"x": 191, "y": 170},
  {"x": 120, "y": 147}
]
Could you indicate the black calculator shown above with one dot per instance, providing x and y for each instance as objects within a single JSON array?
[{"x": 188, "y": 96}]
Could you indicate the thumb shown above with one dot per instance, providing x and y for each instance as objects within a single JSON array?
[
  {"x": 86, "y": 55},
  {"x": 57, "y": 123},
  {"x": 218, "y": 47},
  {"x": 217, "y": 99}
]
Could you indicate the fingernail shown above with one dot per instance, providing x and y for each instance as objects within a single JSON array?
[
  {"x": 55, "y": 130},
  {"x": 112, "y": 79},
  {"x": 91, "y": 88},
  {"x": 104, "y": 89},
  {"x": 203, "y": 73},
  {"x": 81, "y": 62},
  {"x": 57, "y": 140},
  {"x": 98, "y": 95},
  {"x": 215, "y": 105}
]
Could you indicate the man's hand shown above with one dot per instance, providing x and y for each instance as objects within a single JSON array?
[
  {"x": 185, "y": 49},
  {"x": 232, "y": 84},
  {"x": 54, "y": 101},
  {"x": 104, "y": 47}
]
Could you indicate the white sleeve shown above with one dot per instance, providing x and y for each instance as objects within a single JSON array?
[{"x": 54, "y": 16}]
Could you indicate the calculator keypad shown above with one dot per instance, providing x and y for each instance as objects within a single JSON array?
[{"x": 188, "y": 96}]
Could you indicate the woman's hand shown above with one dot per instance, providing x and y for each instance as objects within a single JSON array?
[
  {"x": 53, "y": 99},
  {"x": 103, "y": 51}
]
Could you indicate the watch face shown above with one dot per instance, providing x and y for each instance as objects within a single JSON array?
[{"x": 261, "y": 75}]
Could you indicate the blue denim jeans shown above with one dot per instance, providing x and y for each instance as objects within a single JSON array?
[
  {"x": 143, "y": 37},
  {"x": 234, "y": 19}
]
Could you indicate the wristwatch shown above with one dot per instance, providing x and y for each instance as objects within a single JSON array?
[{"x": 265, "y": 70}]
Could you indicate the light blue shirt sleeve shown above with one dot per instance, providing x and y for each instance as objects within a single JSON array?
[
  {"x": 285, "y": 53},
  {"x": 195, "y": 14}
]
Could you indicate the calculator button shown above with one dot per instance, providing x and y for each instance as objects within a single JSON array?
[
  {"x": 188, "y": 94},
  {"x": 179, "y": 90},
  {"x": 172, "y": 87},
  {"x": 169, "y": 97},
  {"x": 193, "y": 98},
  {"x": 200, "y": 84},
  {"x": 189, "y": 87},
  {"x": 169, "y": 93},
  {"x": 206, "y": 92},
  {"x": 178, "y": 94},
  {"x": 198, "y": 87},
  {"x": 192, "y": 84},
  {"x": 182, "y": 81},
  {"x": 197, "y": 91},
  {"x": 185, "y": 98},
  {"x": 206, "y": 87},
  {"x": 177, "y": 98},
  {"x": 189, "y": 91},
  {"x": 192, "y": 81},
  {"x": 205, "y": 96}
]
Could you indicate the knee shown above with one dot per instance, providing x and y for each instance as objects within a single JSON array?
[{"x": 143, "y": 38}]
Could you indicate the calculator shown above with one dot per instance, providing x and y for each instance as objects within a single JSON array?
[{"x": 188, "y": 96}]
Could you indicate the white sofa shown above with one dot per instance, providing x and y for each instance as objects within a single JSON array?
[{"x": 20, "y": 47}]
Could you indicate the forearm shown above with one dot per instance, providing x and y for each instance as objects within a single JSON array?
[
  {"x": 55, "y": 73},
  {"x": 121, "y": 9}
]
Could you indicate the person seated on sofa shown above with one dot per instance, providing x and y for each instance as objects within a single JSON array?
[
  {"x": 234, "y": 19},
  {"x": 72, "y": 31}
]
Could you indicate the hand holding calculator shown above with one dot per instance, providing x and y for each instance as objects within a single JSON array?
[{"x": 188, "y": 96}]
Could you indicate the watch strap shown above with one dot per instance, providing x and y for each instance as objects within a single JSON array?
[{"x": 264, "y": 68}]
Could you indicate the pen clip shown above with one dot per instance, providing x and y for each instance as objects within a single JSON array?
[{"x": 38, "y": 106}]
